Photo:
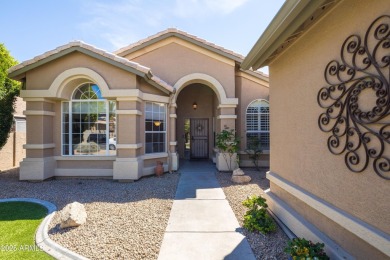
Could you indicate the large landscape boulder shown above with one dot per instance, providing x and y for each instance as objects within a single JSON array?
[
  {"x": 238, "y": 172},
  {"x": 241, "y": 179},
  {"x": 73, "y": 215}
]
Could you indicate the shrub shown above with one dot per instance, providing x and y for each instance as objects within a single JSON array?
[
  {"x": 257, "y": 218},
  {"x": 300, "y": 248},
  {"x": 254, "y": 150},
  {"x": 228, "y": 144}
]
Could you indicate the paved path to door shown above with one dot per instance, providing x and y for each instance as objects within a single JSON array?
[{"x": 202, "y": 225}]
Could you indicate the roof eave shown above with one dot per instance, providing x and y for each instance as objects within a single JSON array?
[
  {"x": 183, "y": 37},
  {"x": 290, "y": 17},
  {"x": 143, "y": 72}
]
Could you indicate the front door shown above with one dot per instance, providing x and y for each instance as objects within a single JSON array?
[{"x": 199, "y": 138}]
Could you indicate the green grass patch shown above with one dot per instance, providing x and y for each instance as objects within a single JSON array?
[{"x": 18, "y": 224}]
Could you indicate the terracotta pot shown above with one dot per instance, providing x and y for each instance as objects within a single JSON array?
[{"x": 159, "y": 170}]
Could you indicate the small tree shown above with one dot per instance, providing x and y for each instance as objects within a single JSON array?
[
  {"x": 254, "y": 150},
  {"x": 228, "y": 145},
  {"x": 9, "y": 89}
]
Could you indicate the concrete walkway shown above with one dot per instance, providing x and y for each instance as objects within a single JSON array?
[{"x": 202, "y": 225}]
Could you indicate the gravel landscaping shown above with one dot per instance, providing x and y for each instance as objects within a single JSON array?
[
  {"x": 125, "y": 220},
  {"x": 128, "y": 220},
  {"x": 269, "y": 246}
]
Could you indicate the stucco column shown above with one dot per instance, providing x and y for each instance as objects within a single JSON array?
[
  {"x": 128, "y": 164},
  {"x": 39, "y": 163},
  {"x": 225, "y": 120},
  {"x": 173, "y": 156}
]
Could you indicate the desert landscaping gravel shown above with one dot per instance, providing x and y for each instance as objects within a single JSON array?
[
  {"x": 269, "y": 246},
  {"x": 128, "y": 220},
  {"x": 125, "y": 220}
]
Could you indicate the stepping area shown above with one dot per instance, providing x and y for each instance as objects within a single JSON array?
[{"x": 202, "y": 224}]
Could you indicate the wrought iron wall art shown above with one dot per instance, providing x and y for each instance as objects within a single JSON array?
[{"x": 356, "y": 100}]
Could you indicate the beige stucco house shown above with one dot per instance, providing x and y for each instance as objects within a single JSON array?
[
  {"x": 95, "y": 113},
  {"x": 329, "y": 117}
]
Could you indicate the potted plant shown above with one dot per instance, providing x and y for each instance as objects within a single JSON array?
[
  {"x": 228, "y": 145},
  {"x": 300, "y": 248},
  {"x": 159, "y": 169}
]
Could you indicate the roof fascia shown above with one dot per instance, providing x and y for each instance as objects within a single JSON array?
[
  {"x": 263, "y": 77},
  {"x": 15, "y": 73},
  {"x": 289, "y": 18},
  {"x": 183, "y": 37}
]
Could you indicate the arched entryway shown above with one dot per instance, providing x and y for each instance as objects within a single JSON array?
[
  {"x": 195, "y": 128},
  {"x": 212, "y": 103}
]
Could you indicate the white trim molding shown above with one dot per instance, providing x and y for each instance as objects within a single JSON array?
[
  {"x": 172, "y": 143},
  {"x": 173, "y": 115},
  {"x": 155, "y": 98},
  {"x": 207, "y": 80},
  {"x": 61, "y": 81},
  {"x": 129, "y": 146},
  {"x": 226, "y": 106},
  {"x": 227, "y": 117},
  {"x": 38, "y": 100},
  {"x": 136, "y": 99},
  {"x": 38, "y": 113},
  {"x": 38, "y": 146},
  {"x": 128, "y": 112},
  {"x": 85, "y": 158},
  {"x": 154, "y": 156},
  {"x": 364, "y": 231}
]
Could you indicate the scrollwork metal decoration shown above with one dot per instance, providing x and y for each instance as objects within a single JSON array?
[{"x": 357, "y": 100}]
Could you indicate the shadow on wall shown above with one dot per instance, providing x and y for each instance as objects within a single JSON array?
[{"x": 12, "y": 152}]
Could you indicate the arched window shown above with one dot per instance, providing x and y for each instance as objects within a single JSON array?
[
  {"x": 257, "y": 125},
  {"x": 88, "y": 123}
]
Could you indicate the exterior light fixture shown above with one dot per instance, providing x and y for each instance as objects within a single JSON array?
[
  {"x": 157, "y": 123},
  {"x": 194, "y": 106}
]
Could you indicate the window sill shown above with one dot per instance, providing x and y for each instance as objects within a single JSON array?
[
  {"x": 154, "y": 155},
  {"x": 85, "y": 158},
  {"x": 263, "y": 152}
]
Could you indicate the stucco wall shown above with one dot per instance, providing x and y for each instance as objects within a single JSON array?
[
  {"x": 248, "y": 90},
  {"x": 173, "y": 61},
  {"x": 299, "y": 149},
  {"x": 12, "y": 151},
  {"x": 43, "y": 76}
]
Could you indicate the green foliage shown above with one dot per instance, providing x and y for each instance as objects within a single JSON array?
[
  {"x": 254, "y": 150},
  {"x": 18, "y": 224},
  {"x": 300, "y": 248},
  {"x": 228, "y": 144},
  {"x": 9, "y": 89},
  {"x": 257, "y": 218}
]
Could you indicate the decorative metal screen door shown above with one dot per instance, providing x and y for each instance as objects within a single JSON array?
[{"x": 199, "y": 138}]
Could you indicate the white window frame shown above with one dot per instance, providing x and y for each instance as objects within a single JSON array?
[
  {"x": 152, "y": 132},
  {"x": 259, "y": 131},
  {"x": 70, "y": 130}
]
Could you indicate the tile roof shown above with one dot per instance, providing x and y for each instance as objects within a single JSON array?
[
  {"x": 145, "y": 70},
  {"x": 173, "y": 32}
]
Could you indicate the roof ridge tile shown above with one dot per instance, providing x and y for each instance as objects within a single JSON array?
[
  {"x": 102, "y": 52},
  {"x": 186, "y": 34}
]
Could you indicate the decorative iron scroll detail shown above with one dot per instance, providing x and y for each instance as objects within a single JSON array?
[{"x": 357, "y": 100}]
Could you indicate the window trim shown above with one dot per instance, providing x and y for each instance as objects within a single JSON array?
[
  {"x": 151, "y": 132},
  {"x": 70, "y": 130},
  {"x": 258, "y": 131}
]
